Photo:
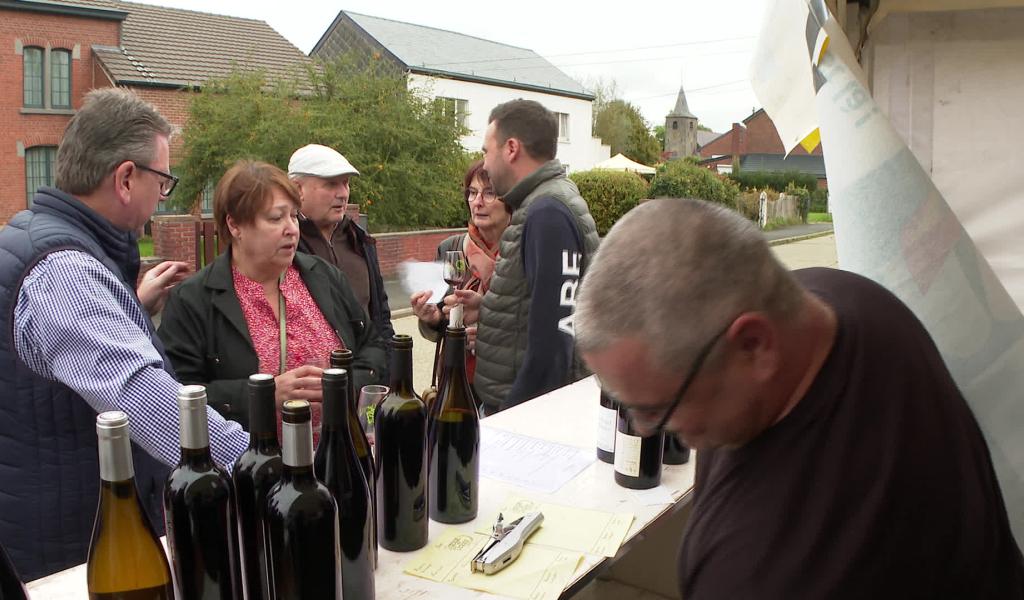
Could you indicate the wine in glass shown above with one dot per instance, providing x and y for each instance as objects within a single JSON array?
[
  {"x": 369, "y": 396},
  {"x": 456, "y": 269},
  {"x": 456, "y": 273}
]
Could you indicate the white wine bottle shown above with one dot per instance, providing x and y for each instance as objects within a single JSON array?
[{"x": 126, "y": 561}]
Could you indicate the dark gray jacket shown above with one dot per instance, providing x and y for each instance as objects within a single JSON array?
[{"x": 517, "y": 361}]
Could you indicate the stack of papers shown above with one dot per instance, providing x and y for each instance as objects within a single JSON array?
[{"x": 530, "y": 462}]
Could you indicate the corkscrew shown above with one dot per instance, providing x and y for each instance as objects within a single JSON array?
[{"x": 506, "y": 543}]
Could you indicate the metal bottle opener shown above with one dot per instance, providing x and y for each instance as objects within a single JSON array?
[{"x": 506, "y": 543}]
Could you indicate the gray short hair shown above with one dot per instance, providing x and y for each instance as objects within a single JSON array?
[
  {"x": 112, "y": 126},
  {"x": 674, "y": 272}
]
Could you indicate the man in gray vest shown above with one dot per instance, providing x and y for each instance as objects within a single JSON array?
[
  {"x": 524, "y": 345},
  {"x": 77, "y": 337}
]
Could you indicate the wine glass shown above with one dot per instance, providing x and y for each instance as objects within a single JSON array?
[
  {"x": 456, "y": 272},
  {"x": 456, "y": 269},
  {"x": 369, "y": 397}
]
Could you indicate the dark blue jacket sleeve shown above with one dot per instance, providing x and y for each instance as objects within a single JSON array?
[{"x": 552, "y": 249}]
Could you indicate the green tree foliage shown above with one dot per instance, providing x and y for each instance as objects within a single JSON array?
[
  {"x": 610, "y": 194},
  {"x": 681, "y": 178},
  {"x": 620, "y": 125},
  {"x": 405, "y": 145},
  {"x": 775, "y": 180},
  {"x": 659, "y": 134}
]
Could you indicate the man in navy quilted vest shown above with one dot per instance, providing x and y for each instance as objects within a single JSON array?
[{"x": 77, "y": 337}]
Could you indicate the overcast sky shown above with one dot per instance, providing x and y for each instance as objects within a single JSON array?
[{"x": 646, "y": 48}]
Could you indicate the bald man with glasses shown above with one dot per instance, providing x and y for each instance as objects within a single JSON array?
[{"x": 836, "y": 456}]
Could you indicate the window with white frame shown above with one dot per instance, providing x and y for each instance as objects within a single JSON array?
[
  {"x": 38, "y": 169},
  {"x": 455, "y": 109},
  {"x": 46, "y": 77},
  {"x": 563, "y": 126}
]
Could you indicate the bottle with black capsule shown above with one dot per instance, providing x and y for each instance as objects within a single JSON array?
[
  {"x": 676, "y": 452},
  {"x": 637, "y": 458},
  {"x": 400, "y": 432},
  {"x": 454, "y": 439},
  {"x": 199, "y": 511},
  {"x": 126, "y": 560},
  {"x": 337, "y": 467},
  {"x": 342, "y": 359},
  {"x": 607, "y": 413},
  {"x": 256, "y": 471},
  {"x": 302, "y": 518}
]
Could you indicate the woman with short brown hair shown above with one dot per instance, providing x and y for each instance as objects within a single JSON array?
[{"x": 262, "y": 307}]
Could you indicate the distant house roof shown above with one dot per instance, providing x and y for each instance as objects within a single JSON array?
[
  {"x": 441, "y": 53},
  {"x": 704, "y": 137},
  {"x": 170, "y": 47},
  {"x": 809, "y": 164}
]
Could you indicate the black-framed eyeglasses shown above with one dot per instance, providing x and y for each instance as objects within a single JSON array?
[
  {"x": 698, "y": 363},
  {"x": 166, "y": 184}
]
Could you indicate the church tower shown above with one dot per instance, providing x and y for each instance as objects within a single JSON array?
[{"x": 680, "y": 129}]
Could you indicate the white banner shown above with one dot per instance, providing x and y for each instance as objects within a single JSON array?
[{"x": 894, "y": 226}]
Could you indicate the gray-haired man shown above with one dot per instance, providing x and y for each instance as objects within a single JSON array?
[
  {"x": 77, "y": 335},
  {"x": 837, "y": 458}
]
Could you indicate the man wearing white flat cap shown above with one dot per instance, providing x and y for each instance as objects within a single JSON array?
[{"x": 322, "y": 176}]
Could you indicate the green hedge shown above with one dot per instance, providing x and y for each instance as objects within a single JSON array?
[
  {"x": 749, "y": 180},
  {"x": 610, "y": 194},
  {"x": 684, "y": 179},
  {"x": 819, "y": 201}
]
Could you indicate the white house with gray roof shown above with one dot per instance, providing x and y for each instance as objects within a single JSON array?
[{"x": 472, "y": 76}]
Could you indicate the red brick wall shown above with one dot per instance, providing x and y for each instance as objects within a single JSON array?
[
  {"x": 36, "y": 29},
  {"x": 393, "y": 248},
  {"x": 174, "y": 238},
  {"x": 173, "y": 105}
]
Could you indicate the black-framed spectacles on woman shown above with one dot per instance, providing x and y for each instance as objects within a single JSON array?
[{"x": 166, "y": 184}]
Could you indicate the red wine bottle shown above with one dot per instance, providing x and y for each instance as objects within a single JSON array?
[
  {"x": 400, "y": 426},
  {"x": 337, "y": 467},
  {"x": 302, "y": 518},
  {"x": 342, "y": 359},
  {"x": 637, "y": 459},
  {"x": 606, "y": 416},
  {"x": 199, "y": 510},
  {"x": 256, "y": 471},
  {"x": 454, "y": 439}
]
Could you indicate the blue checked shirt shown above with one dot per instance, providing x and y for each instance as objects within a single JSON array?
[{"x": 76, "y": 323}]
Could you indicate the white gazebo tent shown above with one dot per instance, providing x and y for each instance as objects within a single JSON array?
[{"x": 619, "y": 162}]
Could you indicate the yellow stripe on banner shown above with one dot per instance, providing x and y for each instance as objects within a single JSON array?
[
  {"x": 824, "y": 47},
  {"x": 811, "y": 142}
]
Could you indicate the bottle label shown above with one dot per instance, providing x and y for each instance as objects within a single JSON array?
[
  {"x": 297, "y": 450},
  {"x": 606, "y": 428},
  {"x": 627, "y": 454}
]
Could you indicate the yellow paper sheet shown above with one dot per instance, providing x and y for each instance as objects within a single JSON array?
[
  {"x": 540, "y": 573},
  {"x": 577, "y": 529}
]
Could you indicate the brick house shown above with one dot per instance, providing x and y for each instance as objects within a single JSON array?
[
  {"x": 756, "y": 144},
  {"x": 54, "y": 52}
]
